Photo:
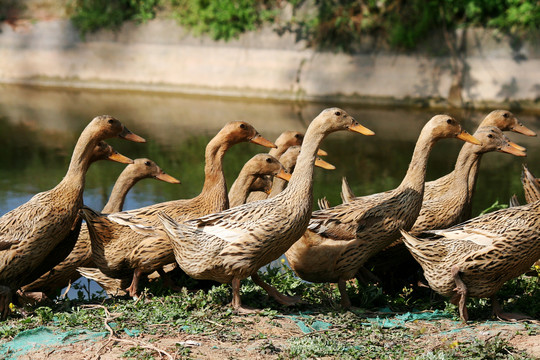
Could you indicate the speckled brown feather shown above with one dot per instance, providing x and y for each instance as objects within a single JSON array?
[
  {"x": 488, "y": 250},
  {"x": 235, "y": 243},
  {"x": 258, "y": 166},
  {"x": 366, "y": 225},
  {"x": 531, "y": 185},
  {"x": 38, "y": 226},
  {"x": 66, "y": 271},
  {"x": 126, "y": 248},
  {"x": 284, "y": 141}
]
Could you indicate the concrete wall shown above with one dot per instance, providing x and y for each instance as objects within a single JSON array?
[{"x": 160, "y": 56}]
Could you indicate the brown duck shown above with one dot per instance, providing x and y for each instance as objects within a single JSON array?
[
  {"x": 284, "y": 141},
  {"x": 288, "y": 160},
  {"x": 340, "y": 239},
  {"x": 258, "y": 166},
  {"x": 501, "y": 119},
  {"x": 49, "y": 221},
  {"x": 232, "y": 245},
  {"x": 121, "y": 246},
  {"x": 66, "y": 272},
  {"x": 114, "y": 287},
  {"x": 442, "y": 211},
  {"x": 475, "y": 258},
  {"x": 447, "y": 200},
  {"x": 274, "y": 184}
]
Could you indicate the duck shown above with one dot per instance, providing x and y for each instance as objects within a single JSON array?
[
  {"x": 234, "y": 244},
  {"x": 272, "y": 186},
  {"x": 115, "y": 287},
  {"x": 122, "y": 246},
  {"x": 288, "y": 160},
  {"x": 531, "y": 188},
  {"x": 65, "y": 273},
  {"x": 501, "y": 119},
  {"x": 504, "y": 120},
  {"x": 443, "y": 211},
  {"x": 257, "y": 167},
  {"x": 475, "y": 258},
  {"x": 284, "y": 141},
  {"x": 396, "y": 255},
  {"x": 50, "y": 220},
  {"x": 262, "y": 183},
  {"x": 340, "y": 239}
]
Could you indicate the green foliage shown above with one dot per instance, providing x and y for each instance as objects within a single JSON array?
[
  {"x": 92, "y": 15},
  {"x": 45, "y": 314},
  {"x": 494, "y": 207},
  {"x": 495, "y": 348},
  {"x": 335, "y": 24},
  {"x": 404, "y": 24},
  {"x": 222, "y": 19}
]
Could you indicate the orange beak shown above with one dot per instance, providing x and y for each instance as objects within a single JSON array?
[
  {"x": 519, "y": 128},
  {"x": 283, "y": 175},
  {"x": 465, "y": 136},
  {"x": 167, "y": 178},
  {"x": 116, "y": 156},
  {"x": 258, "y": 139},
  {"x": 323, "y": 164},
  {"x": 128, "y": 135},
  {"x": 321, "y": 152},
  {"x": 361, "y": 129}
]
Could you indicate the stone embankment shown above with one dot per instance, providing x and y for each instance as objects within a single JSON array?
[{"x": 161, "y": 56}]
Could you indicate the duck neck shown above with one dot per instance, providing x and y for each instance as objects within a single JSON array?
[
  {"x": 277, "y": 186},
  {"x": 123, "y": 184},
  {"x": 466, "y": 169},
  {"x": 416, "y": 173},
  {"x": 301, "y": 182},
  {"x": 240, "y": 189},
  {"x": 73, "y": 181},
  {"x": 277, "y": 152},
  {"x": 215, "y": 186}
]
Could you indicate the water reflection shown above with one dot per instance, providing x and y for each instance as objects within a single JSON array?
[{"x": 39, "y": 127}]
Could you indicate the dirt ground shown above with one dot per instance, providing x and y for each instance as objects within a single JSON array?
[{"x": 267, "y": 338}]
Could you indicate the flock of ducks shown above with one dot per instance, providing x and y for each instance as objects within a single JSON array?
[{"x": 227, "y": 236}]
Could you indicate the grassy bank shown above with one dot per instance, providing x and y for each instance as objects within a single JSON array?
[{"x": 199, "y": 323}]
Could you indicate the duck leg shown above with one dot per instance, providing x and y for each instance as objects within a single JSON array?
[
  {"x": 499, "y": 313},
  {"x": 133, "y": 289},
  {"x": 273, "y": 292},
  {"x": 345, "y": 301},
  {"x": 461, "y": 294},
  {"x": 237, "y": 302},
  {"x": 32, "y": 297},
  {"x": 5, "y": 300},
  {"x": 168, "y": 281}
]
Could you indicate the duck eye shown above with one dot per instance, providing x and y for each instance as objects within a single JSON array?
[
  {"x": 147, "y": 163},
  {"x": 490, "y": 136},
  {"x": 337, "y": 113},
  {"x": 242, "y": 126},
  {"x": 268, "y": 160}
]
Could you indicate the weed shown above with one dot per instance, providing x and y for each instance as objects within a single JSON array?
[
  {"x": 206, "y": 314},
  {"x": 222, "y": 19}
]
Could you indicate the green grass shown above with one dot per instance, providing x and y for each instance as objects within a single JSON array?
[{"x": 206, "y": 313}]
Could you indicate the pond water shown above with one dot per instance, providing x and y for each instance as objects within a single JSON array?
[{"x": 39, "y": 127}]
